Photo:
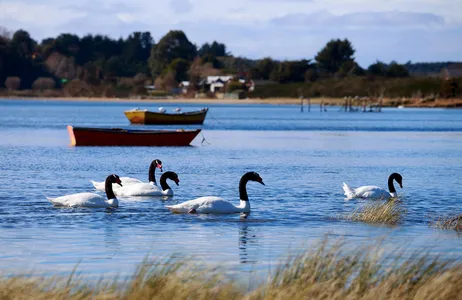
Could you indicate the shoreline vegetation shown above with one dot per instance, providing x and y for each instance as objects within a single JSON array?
[{"x": 329, "y": 270}]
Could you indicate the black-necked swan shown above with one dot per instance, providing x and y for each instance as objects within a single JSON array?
[
  {"x": 374, "y": 192},
  {"x": 146, "y": 189},
  {"x": 91, "y": 199},
  {"x": 217, "y": 205},
  {"x": 156, "y": 163}
]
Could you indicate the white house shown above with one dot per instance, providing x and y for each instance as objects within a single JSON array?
[
  {"x": 216, "y": 83},
  {"x": 184, "y": 85}
]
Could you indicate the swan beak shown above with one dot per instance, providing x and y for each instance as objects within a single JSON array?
[
  {"x": 177, "y": 181},
  {"x": 159, "y": 166},
  {"x": 261, "y": 181},
  {"x": 401, "y": 185},
  {"x": 119, "y": 182}
]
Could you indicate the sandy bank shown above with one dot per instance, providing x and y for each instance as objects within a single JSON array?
[{"x": 441, "y": 103}]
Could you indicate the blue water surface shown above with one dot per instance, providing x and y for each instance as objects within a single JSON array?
[{"x": 303, "y": 159}]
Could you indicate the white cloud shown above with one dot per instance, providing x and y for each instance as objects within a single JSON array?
[
  {"x": 181, "y": 6},
  {"x": 388, "y": 30},
  {"x": 40, "y": 14},
  {"x": 361, "y": 20}
]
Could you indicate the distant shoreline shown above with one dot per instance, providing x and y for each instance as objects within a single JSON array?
[{"x": 439, "y": 103}]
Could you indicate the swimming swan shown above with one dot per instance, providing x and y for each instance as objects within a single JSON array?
[
  {"x": 147, "y": 189},
  {"x": 90, "y": 199},
  {"x": 216, "y": 205},
  {"x": 156, "y": 163},
  {"x": 374, "y": 192}
]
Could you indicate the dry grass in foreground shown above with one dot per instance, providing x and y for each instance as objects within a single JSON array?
[
  {"x": 378, "y": 212},
  {"x": 450, "y": 223},
  {"x": 326, "y": 272}
]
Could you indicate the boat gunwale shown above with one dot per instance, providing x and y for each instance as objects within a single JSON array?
[
  {"x": 134, "y": 131},
  {"x": 188, "y": 113}
]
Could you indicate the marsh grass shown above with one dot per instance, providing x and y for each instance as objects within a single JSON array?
[
  {"x": 327, "y": 271},
  {"x": 378, "y": 212},
  {"x": 448, "y": 223}
]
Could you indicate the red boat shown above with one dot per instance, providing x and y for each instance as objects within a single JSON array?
[{"x": 85, "y": 136}]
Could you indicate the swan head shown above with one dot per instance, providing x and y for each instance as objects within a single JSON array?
[
  {"x": 158, "y": 164},
  {"x": 115, "y": 179},
  {"x": 172, "y": 176},
  {"x": 398, "y": 178},
  {"x": 254, "y": 176}
]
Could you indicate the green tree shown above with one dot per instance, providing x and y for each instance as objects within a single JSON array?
[
  {"x": 214, "y": 49},
  {"x": 67, "y": 44},
  {"x": 180, "y": 67},
  {"x": 334, "y": 54},
  {"x": 397, "y": 70},
  {"x": 173, "y": 45},
  {"x": 23, "y": 44},
  {"x": 291, "y": 71},
  {"x": 263, "y": 69},
  {"x": 350, "y": 68},
  {"x": 377, "y": 69},
  {"x": 137, "y": 47},
  {"x": 212, "y": 60}
]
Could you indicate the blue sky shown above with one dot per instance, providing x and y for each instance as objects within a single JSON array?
[{"x": 401, "y": 30}]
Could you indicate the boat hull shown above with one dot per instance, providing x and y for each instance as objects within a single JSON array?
[
  {"x": 155, "y": 118},
  {"x": 84, "y": 136}
]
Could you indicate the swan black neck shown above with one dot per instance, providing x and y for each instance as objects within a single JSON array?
[
  {"x": 108, "y": 188},
  {"x": 243, "y": 187},
  {"x": 391, "y": 186},
  {"x": 152, "y": 172},
  {"x": 163, "y": 180}
]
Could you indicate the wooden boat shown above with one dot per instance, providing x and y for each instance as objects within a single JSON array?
[
  {"x": 84, "y": 136},
  {"x": 137, "y": 116}
]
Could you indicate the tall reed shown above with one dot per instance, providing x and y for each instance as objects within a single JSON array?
[
  {"x": 328, "y": 271},
  {"x": 378, "y": 212}
]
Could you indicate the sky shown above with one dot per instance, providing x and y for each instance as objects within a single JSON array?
[{"x": 386, "y": 30}]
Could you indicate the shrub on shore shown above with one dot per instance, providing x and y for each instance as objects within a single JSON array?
[
  {"x": 355, "y": 86},
  {"x": 378, "y": 212}
]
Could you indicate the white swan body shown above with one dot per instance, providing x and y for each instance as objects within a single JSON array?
[
  {"x": 149, "y": 190},
  {"x": 142, "y": 189},
  {"x": 84, "y": 200},
  {"x": 126, "y": 180},
  {"x": 217, "y": 205},
  {"x": 156, "y": 163},
  {"x": 368, "y": 191},
  {"x": 374, "y": 192},
  {"x": 209, "y": 205},
  {"x": 90, "y": 199}
]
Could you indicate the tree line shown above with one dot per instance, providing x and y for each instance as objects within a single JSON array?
[{"x": 101, "y": 61}]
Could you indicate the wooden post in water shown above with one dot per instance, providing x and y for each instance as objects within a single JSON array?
[
  {"x": 346, "y": 103},
  {"x": 301, "y": 103},
  {"x": 309, "y": 104}
]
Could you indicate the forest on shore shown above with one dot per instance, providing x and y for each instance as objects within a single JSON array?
[{"x": 100, "y": 66}]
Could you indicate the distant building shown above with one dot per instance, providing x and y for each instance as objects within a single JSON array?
[
  {"x": 150, "y": 89},
  {"x": 215, "y": 83},
  {"x": 184, "y": 86}
]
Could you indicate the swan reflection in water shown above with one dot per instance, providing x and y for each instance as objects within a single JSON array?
[{"x": 247, "y": 239}]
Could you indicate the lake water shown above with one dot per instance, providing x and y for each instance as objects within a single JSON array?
[{"x": 302, "y": 157}]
